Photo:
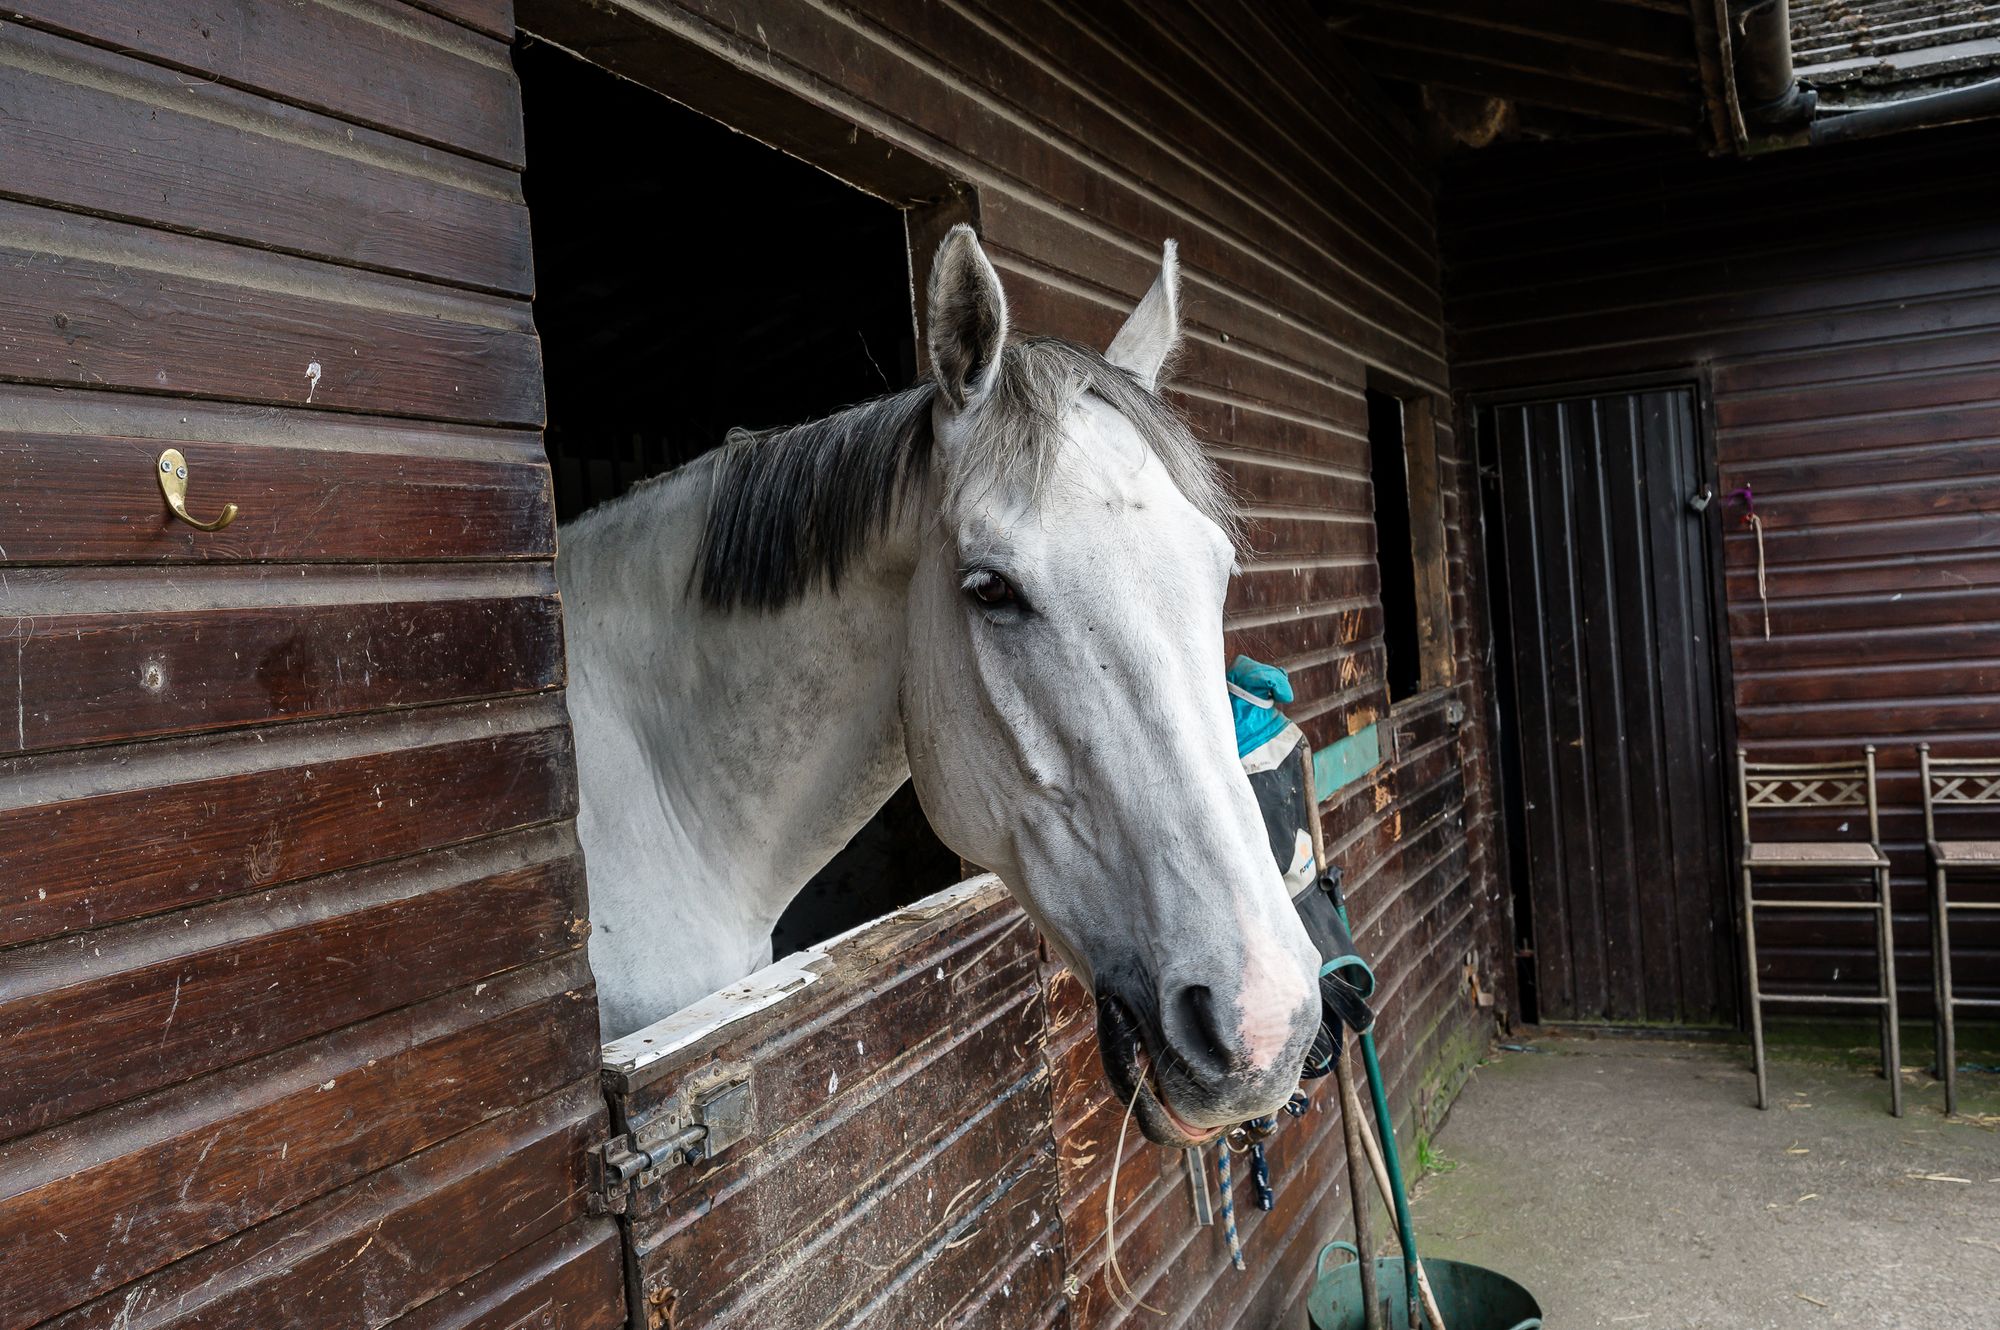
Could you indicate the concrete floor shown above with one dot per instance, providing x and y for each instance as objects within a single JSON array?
[{"x": 1633, "y": 1183}]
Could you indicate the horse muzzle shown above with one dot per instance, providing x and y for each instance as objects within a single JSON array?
[{"x": 1178, "y": 1078}]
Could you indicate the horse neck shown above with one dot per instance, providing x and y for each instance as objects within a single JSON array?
[{"x": 739, "y": 750}]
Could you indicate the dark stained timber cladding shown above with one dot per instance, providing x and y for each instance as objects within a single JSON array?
[
  {"x": 390, "y": 1243},
  {"x": 168, "y": 998},
  {"x": 291, "y": 921},
  {"x": 116, "y": 1196},
  {"x": 232, "y": 665},
  {"x": 1844, "y": 304},
  {"x": 98, "y": 132},
  {"x": 331, "y": 184},
  {"x": 93, "y": 302},
  {"x": 385, "y": 65},
  {"x": 251, "y": 810},
  {"x": 1307, "y": 246},
  {"x": 309, "y": 487}
]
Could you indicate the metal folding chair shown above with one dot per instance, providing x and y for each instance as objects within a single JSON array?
[
  {"x": 1769, "y": 786},
  {"x": 1955, "y": 782}
]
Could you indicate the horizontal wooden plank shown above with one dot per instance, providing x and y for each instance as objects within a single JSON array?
[
  {"x": 1002, "y": 1271},
  {"x": 1190, "y": 164},
  {"x": 573, "y": 1279},
  {"x": 122, "y": 1193},
  {"x": 1470, "y": 73},
  {"x": 395, "y": 638},
  {"x": 392, "y": 1242},
  {"x": 897, "y": 1005},
  {"x": 121, "y": 1011},
  {"x": 83, "y": 484},
  {"x": 1893, "y": 473},
  {"x": 1745, "y": 379},
  {"x": 493, "y": 17},
  {"x": 1595, "y": 68},
  {"x": 948, "y": 1190},
  {"x": 1667, "y": 37},
  {"x": 376, "y": 63},
  {"x": 102, "y": 133},
  {"x": 747, "y": 1227},
  {"x": 169, "y": 824},
  {"x": 1278, "y": 65},
  {"x": 1970, "y": 384},
  {"x": 1860, "y": 683},
  {"x": 94, "y": 303},
  {"x": 1825, "y": 440}
]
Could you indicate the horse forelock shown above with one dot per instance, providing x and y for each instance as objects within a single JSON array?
[{"x": 790, "y": 508}]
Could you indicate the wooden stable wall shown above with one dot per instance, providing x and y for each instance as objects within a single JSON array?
[
  {"x": 1307, "y": 243},
  {"x": 297, "y": 1022},
  {"x": 1844, "y": 307},
  {"x": 294, "y": 1017}
]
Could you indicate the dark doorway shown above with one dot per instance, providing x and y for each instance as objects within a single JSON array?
[
  {"x": 1599, "y": 542},
  {"x": 690, "y": 279}
]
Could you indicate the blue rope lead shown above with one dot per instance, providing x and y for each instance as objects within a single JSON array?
[{"x": 1228, "y": 1206}]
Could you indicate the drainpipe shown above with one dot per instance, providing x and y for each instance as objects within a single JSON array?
[
  {"x": 1773, "y": 101},
  {"x": 1777, "y": 111}
]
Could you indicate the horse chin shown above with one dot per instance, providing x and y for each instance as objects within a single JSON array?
[{"x": 1128, "y": 1065}]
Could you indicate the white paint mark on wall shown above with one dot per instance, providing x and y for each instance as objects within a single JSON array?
[{"x": 312, "y": 379}]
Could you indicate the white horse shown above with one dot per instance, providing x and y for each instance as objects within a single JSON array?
[{"x": 1006, "y": 582}]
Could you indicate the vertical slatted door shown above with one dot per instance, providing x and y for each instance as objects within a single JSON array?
[
  {"x": 1617, "y": 773},
  {"x": 294, "y": 1017}
]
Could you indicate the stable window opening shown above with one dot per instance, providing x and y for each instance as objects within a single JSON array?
[
  {"x": 1409, "y": 544},
  {"x": 690, "y": 279}
]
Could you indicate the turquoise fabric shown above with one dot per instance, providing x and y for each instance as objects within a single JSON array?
[{"x": 1258, "y": 719}]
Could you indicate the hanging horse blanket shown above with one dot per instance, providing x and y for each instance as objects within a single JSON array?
[{"x": 1269, "y": 745}]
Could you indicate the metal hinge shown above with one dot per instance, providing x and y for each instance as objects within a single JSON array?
[{"x": 697, "y": 1124}]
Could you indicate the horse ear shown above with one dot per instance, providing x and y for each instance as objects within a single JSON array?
[
  {"x": 968, "y": 319},
  {"x": 1149, "y": 336}
]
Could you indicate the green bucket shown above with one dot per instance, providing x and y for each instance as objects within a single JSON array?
[{"x": 1469, "y": 1297}]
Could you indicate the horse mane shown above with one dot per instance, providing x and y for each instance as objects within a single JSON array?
[{"x": 789, "y": 508}]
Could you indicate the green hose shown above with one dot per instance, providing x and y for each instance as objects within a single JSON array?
[{"x": 1404, "y": 1234}]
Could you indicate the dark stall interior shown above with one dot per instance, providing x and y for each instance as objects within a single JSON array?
[{"x": 689, "y": 280}]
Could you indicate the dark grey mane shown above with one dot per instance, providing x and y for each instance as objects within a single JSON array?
[{"x": 790, "y": 507}]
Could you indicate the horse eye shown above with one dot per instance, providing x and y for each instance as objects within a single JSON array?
[{"x": 989, "y": 588}]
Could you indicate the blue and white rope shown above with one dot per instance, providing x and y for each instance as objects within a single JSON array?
[{"x": 1228, "y": 1205}]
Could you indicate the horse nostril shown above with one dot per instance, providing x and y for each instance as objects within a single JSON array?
[{"x": 1195, "y": 1032}]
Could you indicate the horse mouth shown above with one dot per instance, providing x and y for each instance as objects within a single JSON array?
[{"x": 1129, "y": 1066}]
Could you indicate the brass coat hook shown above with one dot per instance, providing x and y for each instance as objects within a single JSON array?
[{"x": 174, "y": 484}]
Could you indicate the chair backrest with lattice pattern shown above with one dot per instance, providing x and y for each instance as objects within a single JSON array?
[
  {"x": 1956, "y": 782},
  {"x": 1762, "y": 786}
]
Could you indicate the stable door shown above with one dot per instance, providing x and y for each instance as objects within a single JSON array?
[{"x": 1601, "y": 526}]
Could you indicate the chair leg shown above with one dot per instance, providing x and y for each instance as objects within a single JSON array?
[
  {"x": 1756, "y": 992},
  {"x": 1936, "y": 876},
  {"x": 1948, "y": 1038},
  {"x": 1892, "y": 1029}
]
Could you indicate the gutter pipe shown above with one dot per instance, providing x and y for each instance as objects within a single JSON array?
[{"x": 1779, "y": 111}]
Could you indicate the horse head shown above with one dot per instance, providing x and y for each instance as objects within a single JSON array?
[{"x": 1064, "y": 707}]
